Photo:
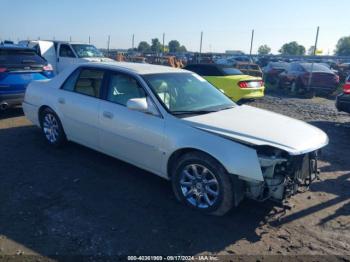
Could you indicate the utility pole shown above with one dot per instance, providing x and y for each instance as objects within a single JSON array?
[
  {"x": 108, "y": 42},
  {"x": 200, "y": 47},
  {"x": 89, "y": 40},
  {"x": 163, "y": 43},
  {"x": 70, "y": 38},
  {"x": 314, "y": 53},
  {"x": 133, "y": 42},
  {"x": 251, "y": 45}
]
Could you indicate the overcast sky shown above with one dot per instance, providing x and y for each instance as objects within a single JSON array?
[{"x": 226, "y": 24}]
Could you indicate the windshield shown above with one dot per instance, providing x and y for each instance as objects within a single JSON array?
[
  {"x": 186, "y": 92},
  {"x": 14, "y": 56},
  {"x": 315, "y": 67},
  {"x": 87, "y": 51},
  {"x": 278, "y": 65}
]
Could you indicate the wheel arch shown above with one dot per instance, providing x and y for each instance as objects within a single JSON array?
[
  {"x": 41, "y": 110},
  {"x": 182, "y": 151}
]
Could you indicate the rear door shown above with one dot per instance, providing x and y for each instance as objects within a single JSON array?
[
  {"x": 78, "y": 102},
  {"x": 133, "y": 136},
  {"x": 66, "y": 57}
]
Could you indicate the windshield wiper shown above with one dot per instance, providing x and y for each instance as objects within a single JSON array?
[
  {"x": 199, "y": 112},
  {"x": 193, "y": 112},
  {"x": 225, "y": 108}
]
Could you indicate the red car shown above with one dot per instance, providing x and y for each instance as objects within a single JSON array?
[
  {"x": 343, "y": 100},
  {"x": 298, "y": 78},
  {"x": 272, "y": 70}
]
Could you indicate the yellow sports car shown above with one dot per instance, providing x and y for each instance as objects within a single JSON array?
[{"x": 231, "y": 81}]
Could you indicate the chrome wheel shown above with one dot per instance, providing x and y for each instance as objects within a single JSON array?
[
  {"x": 51, "y": 128},
  {"x": 199, "y": 186}
]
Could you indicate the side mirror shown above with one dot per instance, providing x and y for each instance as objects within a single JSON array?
[{"x": 142, "y": 105}]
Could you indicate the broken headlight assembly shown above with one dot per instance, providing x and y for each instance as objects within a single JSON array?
[{"x": 283, "y": 174}]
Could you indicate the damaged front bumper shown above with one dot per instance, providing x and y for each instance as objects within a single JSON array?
[{"x": 283, "y": 176}]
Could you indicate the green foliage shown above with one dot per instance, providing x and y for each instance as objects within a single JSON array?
[
  {"x": 264, "y": 50},
  {"x": 182, "y": 49},
  {"x": 292, "y": 48},
  {"x": 144, "y": 47},
  {"x": 156, "y": 45},
  {"x": 174, "y": 46},
  {"x": 343, "y": 46}
]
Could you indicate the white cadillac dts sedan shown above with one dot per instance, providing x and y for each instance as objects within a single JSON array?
[{"x": 175, "y": 124}]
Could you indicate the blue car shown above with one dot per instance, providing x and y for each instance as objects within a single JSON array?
[{"x": 18, "y": 67}]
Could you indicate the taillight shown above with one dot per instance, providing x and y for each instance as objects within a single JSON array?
[
  {"x": 251, "y": 84},
  {"x": 48, "y": 67},
  {"x": 3, "y": 69},
  {"x": 346, "y": 88}
]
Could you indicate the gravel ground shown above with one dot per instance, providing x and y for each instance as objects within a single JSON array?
[{"x": 75, "y": 201}]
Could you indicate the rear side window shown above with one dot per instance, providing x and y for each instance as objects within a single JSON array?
[
  {"x": 89, "y": 82},
  {"x": 71, "y": 80},
  {"x": 20, "y": 57},
  {"x": 123, "y": 87}
]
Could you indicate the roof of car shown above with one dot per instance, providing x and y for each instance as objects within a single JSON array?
[
  {"x": 142, "y": 69},
  {"x": 15, "y": 47},
  {"x": 56, "y": 41}
]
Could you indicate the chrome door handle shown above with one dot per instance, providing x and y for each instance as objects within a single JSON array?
[
  {"x": 61, "y": 100},
  {"x": 107, "y": 114}
]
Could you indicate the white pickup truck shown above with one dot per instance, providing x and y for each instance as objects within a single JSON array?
[{"x": 61, "y": 54}]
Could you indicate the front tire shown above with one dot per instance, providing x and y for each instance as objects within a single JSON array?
[
  {"x": 52, "y": 128},
  {"x": 203, "y": 184}
]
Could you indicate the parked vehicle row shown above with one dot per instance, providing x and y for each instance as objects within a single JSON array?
[
  {"x": 301, "y": 77},
  {"x": 308, "y": 77},
  {"x": 175, "y": 124}
]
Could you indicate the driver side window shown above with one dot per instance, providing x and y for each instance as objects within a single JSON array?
[
  {"x": 66, "y": 51},
  {"x": 123, "y": 87}
]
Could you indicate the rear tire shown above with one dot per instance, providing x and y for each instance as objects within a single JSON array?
[
  {"x": 203, "y": 184},
  {"x": 52, "y": 128}
]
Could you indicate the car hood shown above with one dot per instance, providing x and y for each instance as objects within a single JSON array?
[{"x": 254, "y": 126}]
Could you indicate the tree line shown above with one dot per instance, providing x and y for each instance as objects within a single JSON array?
[
  {"x": 173, "y": 46},
  {"x": 293, "y": 48}
]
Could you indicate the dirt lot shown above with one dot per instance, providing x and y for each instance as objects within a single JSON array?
[{"x": 77, "y": 201}]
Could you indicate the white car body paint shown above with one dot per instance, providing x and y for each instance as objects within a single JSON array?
[
  {"x": 148, "y": 141},
  {"x": 51, "y": 54}
]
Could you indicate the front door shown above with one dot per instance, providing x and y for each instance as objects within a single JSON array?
[
  {"x": 133, "y": 136},
  {"x": 65, "y": 58}
]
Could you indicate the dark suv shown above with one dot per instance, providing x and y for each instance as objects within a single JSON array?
[{"x": 18, "y": 67}]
